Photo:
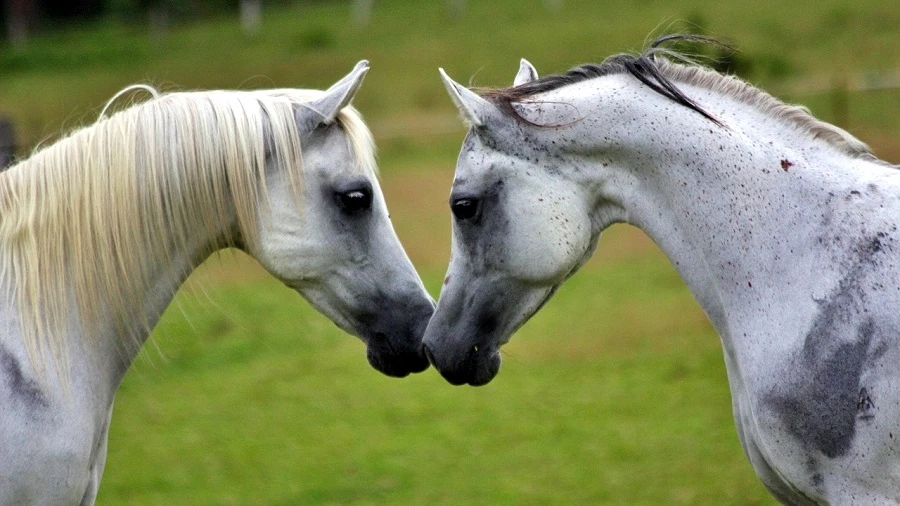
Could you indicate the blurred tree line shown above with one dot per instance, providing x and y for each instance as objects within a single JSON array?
[
  {"x": 21, "y": 18},
  {"x": 24, "y": 17}
]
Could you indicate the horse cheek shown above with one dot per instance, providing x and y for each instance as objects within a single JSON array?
[{"x": 549, "y": 241}]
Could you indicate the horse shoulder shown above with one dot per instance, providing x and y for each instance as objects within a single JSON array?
[{"x": 44, "y": 440}]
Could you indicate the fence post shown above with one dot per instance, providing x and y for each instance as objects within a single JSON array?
[
  {"x": 251, "y": 15},
  {"x": 554, "y": 5},
  {"x": 840, "y": 102},
  {"x": 362, "y": 12},
  {"x": 21, "y": 16},
  {"x": 7, "y": 142},
  {"x": 159, "y": 20},
  {"x": 456, "y": 8}
]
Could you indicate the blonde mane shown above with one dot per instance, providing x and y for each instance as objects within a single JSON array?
[{"x": 84, "y": 220}]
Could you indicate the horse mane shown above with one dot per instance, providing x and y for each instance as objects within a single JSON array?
[
  {"x": 660, "y": 68},
  {"x": 83, "y": 221}
]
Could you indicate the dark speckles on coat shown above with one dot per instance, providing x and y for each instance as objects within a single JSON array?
[
  {"x": 22, "y": 388},
  {"x": 553, "y": 169}
]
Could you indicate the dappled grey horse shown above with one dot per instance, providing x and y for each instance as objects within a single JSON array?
[
  {"x": 99, "y": 230},
  {"x": 784, "y": 228}
]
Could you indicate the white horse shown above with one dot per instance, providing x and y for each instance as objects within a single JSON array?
[
  {"x": 99, "y": 230},
  {"x": 783, "y": 227}
]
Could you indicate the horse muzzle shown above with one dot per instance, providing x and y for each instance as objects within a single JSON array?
[
  {"x": 462, "y": 365},
  {"x": 394, "y": 347},
  {"x": 386, "y": 360}
]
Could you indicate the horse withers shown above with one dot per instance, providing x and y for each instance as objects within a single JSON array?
[
  {"x": 98, "y": 231},
  {"x": 784, "y": 228}
]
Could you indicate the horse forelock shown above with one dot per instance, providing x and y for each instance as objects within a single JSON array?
[
  {"x": 83, "y": 221},
  {"x": 656, "y": 69}
]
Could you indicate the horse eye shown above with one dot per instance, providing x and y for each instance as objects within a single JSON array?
[
  {"x": 464, "y": 209},
  {"x": 354, "y": 200}
]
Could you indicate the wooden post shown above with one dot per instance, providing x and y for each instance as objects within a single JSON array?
[
  {"x": 251, "y": 16},
  {"x": 159, "y": 20},
  {"x": 21, "y": 18},
  {"x": 840, "y": 103},
  {"x": 554, "y": 5},
  {"x": 456, "y": 8},
  {"x": 7, "y": 142},
  {"x": 362, "y": 12}
]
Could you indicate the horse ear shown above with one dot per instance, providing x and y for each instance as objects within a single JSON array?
[
  {"x": 472, "y": 107},
  {"x": 527, "y": 73},
  {"x": 325, "y": 109}
]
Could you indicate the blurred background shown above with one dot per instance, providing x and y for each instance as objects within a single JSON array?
[{"x": 615, "y": 393}]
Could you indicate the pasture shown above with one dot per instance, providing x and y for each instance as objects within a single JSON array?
[{"x": 615, "y": 393}]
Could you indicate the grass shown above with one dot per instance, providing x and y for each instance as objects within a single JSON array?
[
  {"x": 260, "y": 400},
  {"x": 615, "y": 393}
]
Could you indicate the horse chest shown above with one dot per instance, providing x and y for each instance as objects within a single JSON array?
[
  {"x": 51, "y": 456},
  {"x": 825, "y": 421},
  {"x": 806, "y": 455},
  {"x": 51, "y": 444}
]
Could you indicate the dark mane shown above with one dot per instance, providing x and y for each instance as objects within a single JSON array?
[
  {"x": 659, "y": 68},
  {"x": 644, "y": 67}
]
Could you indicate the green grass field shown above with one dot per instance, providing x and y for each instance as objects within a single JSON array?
[{"x": 615, "y": 393}]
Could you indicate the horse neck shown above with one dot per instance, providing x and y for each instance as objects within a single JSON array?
[
  {"x": 99, "y": 345},
  {"x": 740, "y": 209},
  {"x": 97, "y": 363},
  {"x": 165, "y": 275}
]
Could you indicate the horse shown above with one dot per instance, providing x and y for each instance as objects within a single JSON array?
[
  {"x": 99, "y": 230},
  {"x": 784, "y": 228}
]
